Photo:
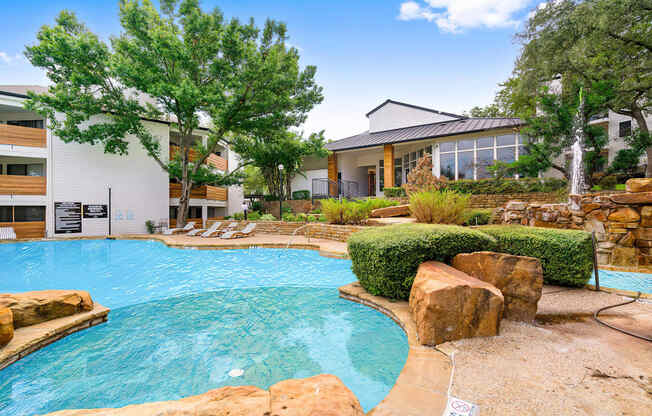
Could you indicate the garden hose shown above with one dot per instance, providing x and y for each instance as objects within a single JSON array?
[{"x": 595, "y": 316}]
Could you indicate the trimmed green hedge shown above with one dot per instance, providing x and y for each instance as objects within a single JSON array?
[
  {"x": 506, "y": 186},
  {"x": 393, "y": 192},
  {"x": 566, "y": 255},
  {"x": 302, "y": 194},
  {"x": 386, "y": 259}
]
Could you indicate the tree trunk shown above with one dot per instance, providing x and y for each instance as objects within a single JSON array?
[
  {"x": 638, "y": 115},
  {"x": 186, "y": 186}
]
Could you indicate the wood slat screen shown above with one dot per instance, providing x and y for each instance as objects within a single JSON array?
[
  {"x": 22, "y": 185},
  {"x": 213, "y": 193},
  {"x": 214, "y": 160},
  {"x": 34, "y": 229},
  {"x": 22, "y": 136}
]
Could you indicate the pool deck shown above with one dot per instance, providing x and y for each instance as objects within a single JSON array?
[{"x": 32, "y": 338}]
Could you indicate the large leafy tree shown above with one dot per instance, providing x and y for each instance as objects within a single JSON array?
[
  {"x": 285, "y": 148},
  {"x": 180, "y": 64},
  {"x": 595, "y": 41}
]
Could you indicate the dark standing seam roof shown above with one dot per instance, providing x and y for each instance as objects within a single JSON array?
[{"x": 426, "y": 131}]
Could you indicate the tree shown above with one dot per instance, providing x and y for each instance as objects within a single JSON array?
[
  {"x": 179, "y": 64},
  {"x": 285, "y": 148},
  {"x": 551, "y": 128},
  {"x": 253, "y": 183},
  {"x": 595, "y": 41},
  {"x": 491, "y": 110}
]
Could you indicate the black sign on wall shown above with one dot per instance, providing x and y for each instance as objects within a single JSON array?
[
  {"x": 95, "y": 211},
  {"x": 67, "y": 217}
]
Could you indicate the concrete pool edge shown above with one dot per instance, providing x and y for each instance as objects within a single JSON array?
[
  {"x": 34, "y": 337},
  {"x": 422, "y": 385}
]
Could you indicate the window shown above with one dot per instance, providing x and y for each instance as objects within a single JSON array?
[
  {"x": 447, "y": 165},
  {"x": 506, "y": 154},
  {"x": 506, "y": 140},
  {"x": 485, "y": 158},
  {"x": 625, "y": 128},
  {"x": 27, "y": 214},
  {"x": 5, "y": 214},
  {"x": 173, "y": 212},
  {"x": 194, "y": 212},
  {"x": 485, "y": 142},
  {"x": 465, "y": 165},
  {"x": 35, "y": 124},
  {"x": 20, "y": 170},
  {"x": 381, "y": 175},
  {"x": 35, "y": 170},
  {"x": 212, "y": 212},
  {"x": 398, "y": 172}
]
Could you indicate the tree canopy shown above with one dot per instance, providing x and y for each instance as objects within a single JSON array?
[{"x": 181, "y": 64}]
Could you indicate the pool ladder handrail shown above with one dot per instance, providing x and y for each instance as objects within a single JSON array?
[{"x": 294, "y": 233}]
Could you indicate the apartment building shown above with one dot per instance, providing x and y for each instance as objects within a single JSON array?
[{"x": 49, "y": 188}]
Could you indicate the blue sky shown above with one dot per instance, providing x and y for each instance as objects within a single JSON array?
[{"x": 444, "y": 54}]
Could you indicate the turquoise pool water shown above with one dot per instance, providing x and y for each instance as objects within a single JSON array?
[
  {"x": 181, "y": 320},
  {"x": 634, "y": 282}
]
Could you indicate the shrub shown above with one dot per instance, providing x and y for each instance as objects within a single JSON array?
[
  {"x": 421, "y": 179},
  {"x": 151, "y": 227},
  {"x": 238, "y": 216},
  {"x": 253, "y": 215},
  {"x": 303, "y": 194},
  {"x": 371, "y": 204},
  {"x": 311, "y": 218},
  {"x": 257, "y": 206},
  {"x": 270, "y": 197},
  {"x": 352, "y": 212},
  {"x": 478, "y": 216},
  {"x": 608, "y": 182},
  {"x": 506, "y": 186},
  {"x": 386, "y": 259},
  {"x": 393, "y": 192},
  {"x": 267, "y": 217},
  {"x": 302, "y": 217},
  {"x": 566, "y": 255},
  {"x": 439, "y": 207},
  {"x": 289, "y": 217}
]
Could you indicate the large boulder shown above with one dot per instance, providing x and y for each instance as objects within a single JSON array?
[
  {"x": 632, "y": 198},
  {"x": 447, "y": 304},
  {"x": 639, "y": 185},
  {"x": 519, "y": 278},
  {"x": 6, "y": 326},
  {"x": 30, "y": 308},
  {"x": 395, "y": 211},
  {"x": 322, "y": 395}
]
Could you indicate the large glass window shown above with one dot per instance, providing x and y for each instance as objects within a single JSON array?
[
  {"x": 447, "y": 165},
  {"x": 5, "y": 214},
  {"x": 465, "y": 165},
  {"x": 381, "y": 175},
  {"x": 447, "y": 147},
  {"x": 485, "y": 158},
  {"x": 506, "y": 140},
  {"x": 485, "y": 142},
  {"x": 27, "y": 214},
  {"x": 398, "y": 172},
  {"x": 20, "y": 170},
  {"x": 506, "y": 154},
  {"x": 465, "y": 144}
]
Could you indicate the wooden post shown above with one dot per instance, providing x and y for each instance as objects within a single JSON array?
[
  {"x": 389, "y": 165},
  {"x": 332, "y": 174}
]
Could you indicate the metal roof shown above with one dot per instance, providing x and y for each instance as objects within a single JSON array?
[
  {"x": 412, "y": 106},
  {"x": 425, "y": 131}
]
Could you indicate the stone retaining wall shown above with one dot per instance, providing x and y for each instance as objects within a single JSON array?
[
  {"x": 298, "y": 206},
  {"x": 313, "y": 230},
  {"x": 622, "y": 222}
]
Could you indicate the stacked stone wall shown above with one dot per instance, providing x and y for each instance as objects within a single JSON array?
[
  {"x": 622, "y": 222},
  {"x": 313, "y": 230}
]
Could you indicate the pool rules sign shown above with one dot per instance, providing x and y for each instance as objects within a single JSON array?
[{"x": 67, "y": 217}]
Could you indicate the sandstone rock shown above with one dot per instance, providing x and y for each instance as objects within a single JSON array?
[
  {"x": 592, "y": 225},
  {"x": 632, "y": 198},
  {"x": 6, "y": 326},
  {"x": 643, "y": 234},
  {"x": 604, "y": 257},
  {"x": 590, "y": 207},
  {"x": 624, "y": 215},
  {"x": 447, "y": 304},
  {"x": 646, "y": 216},
  {"x": 624, "y": 256},
  {"x": 225, "y": 401},
  {"x": 520, "y": 279},
  {"x": 395, "y": 211},
  {"x": 639, "y": 185},
  {"x": 324, "y": 395},
  {"x": 627, "y": 240},
  {"x": 31, "y": 308},
  {"x": 516, "y": 206},
  {"x": 598, "y": 215},
  {"x": 643, "y": 243}
]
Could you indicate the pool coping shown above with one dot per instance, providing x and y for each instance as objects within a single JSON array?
[
  {"x": 32, "y": 338},
  {"x": 422, "y": 387}
]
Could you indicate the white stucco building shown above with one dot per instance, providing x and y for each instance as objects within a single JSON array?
[{"x": 49, "y": 188}]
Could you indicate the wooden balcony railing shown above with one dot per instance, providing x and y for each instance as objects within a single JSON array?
[
  {"x": 22, "y": 185},
  {"x": 214, "y": 160},
  {"x": 198, "y": 222},
  {"x": 33, "y": 229},
  {"x": 22, "y": 136},
  {"x": 214, "y": 193}
]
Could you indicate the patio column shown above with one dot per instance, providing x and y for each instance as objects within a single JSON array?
[
  {"x": 332, "y": 174},
  {"x": 389, "y": 165}
]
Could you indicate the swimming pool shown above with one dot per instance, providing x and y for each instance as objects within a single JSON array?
[
  {"x": 182, "y": 320},
  {"x": 631, "y": 281}
]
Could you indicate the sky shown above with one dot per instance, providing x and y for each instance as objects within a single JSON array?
[{"x": 448, "y": 55}]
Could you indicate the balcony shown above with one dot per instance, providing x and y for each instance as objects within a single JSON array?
[
  {"x": 213, "y": 160},
  {"x": 22, "y": 136},
  {"x": 213, "y": 193},
  {"x": 22, "y": 185}
]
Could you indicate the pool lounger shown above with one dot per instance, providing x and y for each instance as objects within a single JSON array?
[
  {"x": 7, "y": 233},
  {"x": 231, "y": 227},
  {"x": 188, "y": 227},
  {"x": 246, "y": 232}
]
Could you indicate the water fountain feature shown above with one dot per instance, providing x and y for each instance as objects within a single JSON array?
[{"x": 578, "y": 179}]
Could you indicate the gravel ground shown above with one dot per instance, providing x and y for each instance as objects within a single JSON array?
[{"x": 563, "y": 364}]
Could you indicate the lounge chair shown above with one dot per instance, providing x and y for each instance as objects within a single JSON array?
[
  {"x": 187, "y": 228},
  {"x": 249, "y": 230},
  {"x": 195, "y": 231},
  {"x": 213, "y": 230},
  {"x": 7, "y": 233}
]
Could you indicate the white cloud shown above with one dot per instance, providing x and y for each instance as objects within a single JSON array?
[
  {"x": 8, "y": 59},
  {"x": 455, "y": 15}
]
